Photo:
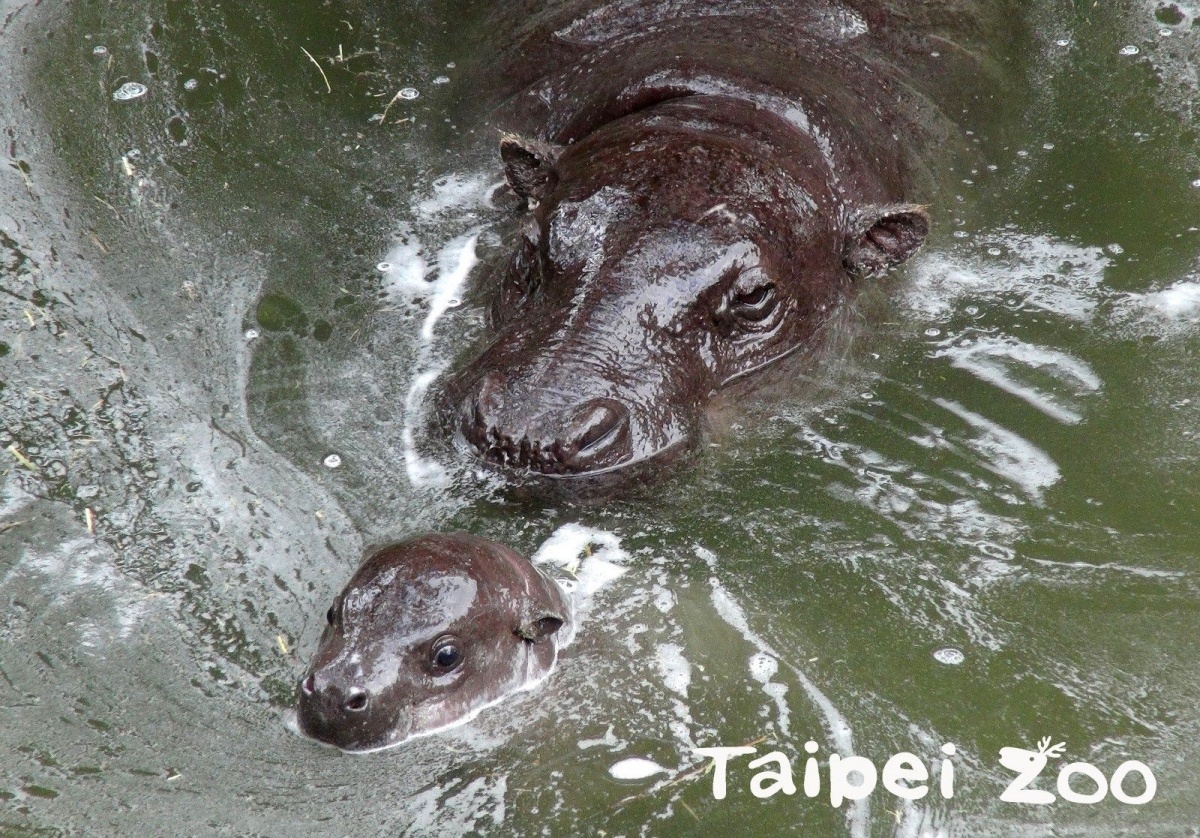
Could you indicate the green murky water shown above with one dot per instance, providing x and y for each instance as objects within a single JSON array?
[{"x": 193, "y": 319}]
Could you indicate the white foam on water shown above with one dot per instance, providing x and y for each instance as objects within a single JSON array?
[
  {"x": 1170, "y": 312},
  {"x": 1007, "y": 454},
  {"x": 674, "y": 667},
  {"x": 635, "y": 768},
  {"x": 1004, "y": 362},
  {"x": 1029, "y": 270},
  {"x": 567, "y": 548},
  {"x": 406, "y": 280}
]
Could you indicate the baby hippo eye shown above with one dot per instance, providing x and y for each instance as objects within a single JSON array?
[
  {"x": 331, "y": 614},
  {"x": 446, "y": 654}
]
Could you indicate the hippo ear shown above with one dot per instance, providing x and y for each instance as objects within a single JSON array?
[
  {"x": 539, "y": 627},
  {"x": 883, "y": 237},
  {"x": 528, "y": 166}
]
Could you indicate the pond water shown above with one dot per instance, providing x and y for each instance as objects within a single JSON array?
[{"x": 975, "y": 523}]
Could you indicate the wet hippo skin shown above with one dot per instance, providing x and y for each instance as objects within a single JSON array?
[
  {"x": 426, "y": 634},
  {"x": 702, "y": 184}
]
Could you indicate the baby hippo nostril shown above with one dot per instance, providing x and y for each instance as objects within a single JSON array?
[{"x": 357, "y": 701}]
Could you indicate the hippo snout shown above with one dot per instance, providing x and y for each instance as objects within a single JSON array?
[
  {"x": 341, "y": 714},
  {"x": 349, "y": 699},
  {"x": 589, "y": 436}
]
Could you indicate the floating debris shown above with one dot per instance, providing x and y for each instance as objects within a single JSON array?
[
  {"x": 129, "y": 91},
  {"x": 22, "y": 459}
]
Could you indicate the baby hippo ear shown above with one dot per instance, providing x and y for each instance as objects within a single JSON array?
[
  {"x": 528, "y": 166},
  {"x": 883, "y": 237},
  {"x": 539, "y": 627}
]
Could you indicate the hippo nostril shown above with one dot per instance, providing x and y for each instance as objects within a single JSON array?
[
  {"x": 357, "y": 701},
  {"x": 597, "y": 424},
  {"x": 308, "y": 685}
]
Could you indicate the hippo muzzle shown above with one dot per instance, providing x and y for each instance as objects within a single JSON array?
[{"x": 664, "y": 255}]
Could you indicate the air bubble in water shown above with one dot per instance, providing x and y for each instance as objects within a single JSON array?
[
  {"x": 384, "y": 267},
  {"x": 1129, "y": 49},
  {"x": 191, "y": 84},
  {"x": 950, "y": 657},
  {"x": 99, "y": 50},
  {"x": 408, "y": 93},
  {"x": 129, "y": 91},
  {"x": 251, "y": 334},
  {"x": 333, "y": 461}
]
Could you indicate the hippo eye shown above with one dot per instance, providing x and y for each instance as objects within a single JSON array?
[
  {"x": 446, "y": 654},
  {"x": 331, "y": 614},
  {"x": 754, "y": 304}
]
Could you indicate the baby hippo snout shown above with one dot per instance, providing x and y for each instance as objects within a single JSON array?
[
  {"x": 587, "y": 436},
  {"x": 331, "y": 697}
]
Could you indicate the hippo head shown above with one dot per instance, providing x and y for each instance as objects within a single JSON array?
[
  {"x": 664, "y": 255},
  {"x": 427, "y": 633}
]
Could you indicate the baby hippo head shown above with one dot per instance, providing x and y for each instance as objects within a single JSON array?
[
  {"x": 663, "y": 256},
  {"x": 426, "y": 634}
]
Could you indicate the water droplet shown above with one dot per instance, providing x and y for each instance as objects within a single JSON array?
[
  {"x": 932, "y": 333},
  {"x": 1129, "y": 49},
  {"x": 191, "y": 84},
  {"x": 867, "y": 395},
  {"x": 442, "y": 80},
  {"x": 961, "y": 234},
  {"x": 949, "y": 656},
  {"x": 993, "y": 251},
  {"x": 1048, "y": 146},
  {"x": 333, "y": 461},
  {"x": 99, "y": 50},
  {"x": 384, "y": 267},
  {"x": 1164, "y": 32},
  {"x": 251, "y": 334},
  {"x": 129, "y": 91},
  {"x": 408, "y": 93},
  {"x": 1022, "y": 153}
]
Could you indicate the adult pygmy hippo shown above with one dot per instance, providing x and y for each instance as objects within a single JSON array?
[
  {"x": 426, "y": 634},
  {"x": 703, "y": 182}
]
